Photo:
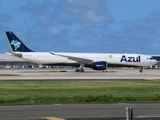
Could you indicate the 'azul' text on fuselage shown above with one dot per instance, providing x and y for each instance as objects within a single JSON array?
[{"x": 130, "y": 59}]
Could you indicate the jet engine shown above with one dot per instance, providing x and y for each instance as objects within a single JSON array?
[{"x": 101, "y": 65}]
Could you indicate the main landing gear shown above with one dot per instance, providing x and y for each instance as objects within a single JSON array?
[
  {"x": 80, "y": 69},
  {"x": 141, "y": 70}
]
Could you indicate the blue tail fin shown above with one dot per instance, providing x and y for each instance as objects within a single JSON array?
[{"x": 15, "y": 43}]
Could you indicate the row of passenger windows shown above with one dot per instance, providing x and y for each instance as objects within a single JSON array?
[{"x": 15, "y": 63}]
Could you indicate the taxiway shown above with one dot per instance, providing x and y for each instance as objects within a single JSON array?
[{"x": 47, "y": 74}]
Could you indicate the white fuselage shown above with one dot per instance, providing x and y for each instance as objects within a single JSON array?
[{"x": 110, "y": 58}]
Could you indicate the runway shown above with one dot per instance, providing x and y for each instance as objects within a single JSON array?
[
  {"x": 100, "y": 111},
  {"x": 47, "y": 74}
]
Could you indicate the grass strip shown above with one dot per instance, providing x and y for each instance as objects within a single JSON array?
[{"x": 31, "y": 92}]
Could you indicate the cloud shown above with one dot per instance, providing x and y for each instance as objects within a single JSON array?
[
  {"x": 46, "y": 13},
  {"x": 87, "y": 11},
  {"x": 141, "y": 26},
  {"x": 36, "y": 8},
  {"x": 135, "y": 36},
  {"x": 54, "y": 31},
  {"x": 88, "y": 40},
  {"x": 64, "y": 12},
  {"x": 47, "y": 39},
  {"x": 67, "y": 11},
  {"x": 147, "y": 26},
  {"x": 140, "y": 35},
  {"x": 43, "y": 13}
]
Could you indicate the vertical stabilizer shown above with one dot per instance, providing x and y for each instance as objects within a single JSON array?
[{"x": 15, "y": 43}]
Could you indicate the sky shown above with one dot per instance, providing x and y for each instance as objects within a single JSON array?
[{"x": 89, "y": 26}]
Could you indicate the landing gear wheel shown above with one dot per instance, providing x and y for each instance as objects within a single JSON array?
[
  {"x": 141, "y": 70},
  {"x": 82, "y": 70},
  {"x": 77, "y": 70}
]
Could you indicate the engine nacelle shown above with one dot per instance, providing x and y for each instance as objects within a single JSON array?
[{"x": 101, "y": 65}]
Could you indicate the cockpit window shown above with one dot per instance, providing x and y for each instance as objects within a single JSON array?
[{"x": 151, "y": 58}]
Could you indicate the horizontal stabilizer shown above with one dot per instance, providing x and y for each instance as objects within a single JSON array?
[{"x": 14, "y": 54}]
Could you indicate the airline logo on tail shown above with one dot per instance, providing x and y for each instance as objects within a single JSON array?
[{"x": 16, "y": 44}]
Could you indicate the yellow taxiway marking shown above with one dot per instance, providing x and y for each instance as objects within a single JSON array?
[{"x": 52, "y": 118}]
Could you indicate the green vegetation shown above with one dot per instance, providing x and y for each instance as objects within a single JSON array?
[{"x": 24, "y": 92}]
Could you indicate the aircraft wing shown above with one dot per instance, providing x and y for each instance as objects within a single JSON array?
[
  {"x": 14, "y": 54},
  {"x": 77, "y": 59}
]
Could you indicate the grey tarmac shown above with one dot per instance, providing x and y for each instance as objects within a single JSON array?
[
  {"x": 48, "y": 74},
  {"x": 77, "y": 111}
]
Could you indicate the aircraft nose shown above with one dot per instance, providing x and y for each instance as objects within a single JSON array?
[{"x": 154, "y": 61}]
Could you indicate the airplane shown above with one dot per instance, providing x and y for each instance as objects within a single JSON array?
[{"x": 96, "y": 61}]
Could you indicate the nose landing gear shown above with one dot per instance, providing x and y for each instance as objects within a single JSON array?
[{"x": 141, "y": 70}]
